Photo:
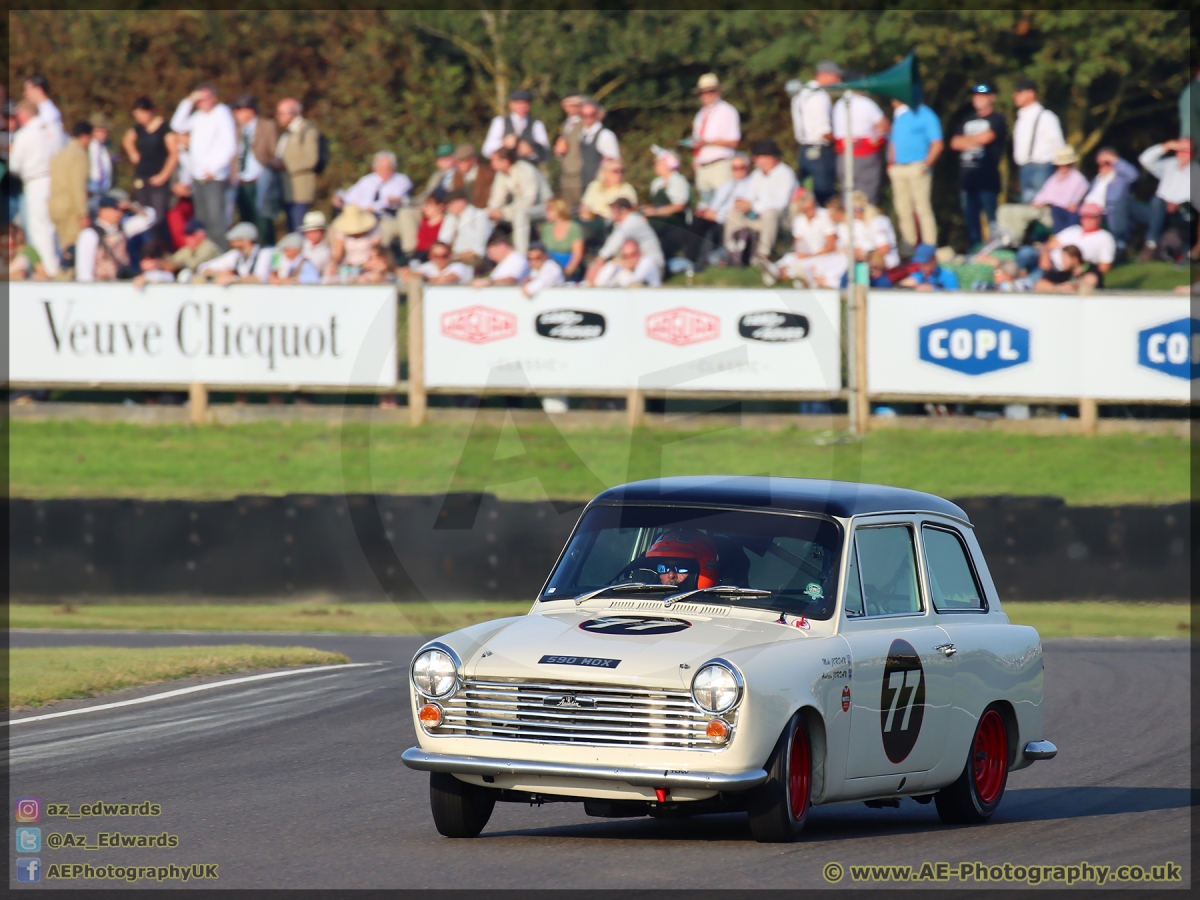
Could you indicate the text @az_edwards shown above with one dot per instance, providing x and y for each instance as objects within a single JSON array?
[
  {"x": 71, "y": 871},
  {"x": 111, "y": 840},
  {"x": 1078, "y": 873}
]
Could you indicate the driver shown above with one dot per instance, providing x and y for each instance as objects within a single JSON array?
[{"x": 685, "y": 558}]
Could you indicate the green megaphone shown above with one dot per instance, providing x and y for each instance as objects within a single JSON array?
[{"x": 900, "y": 82}]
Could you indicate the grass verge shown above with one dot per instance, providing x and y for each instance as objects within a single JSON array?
[
  {"x": 358, "y": 618},
  {"x": 83, "y": 459},
  {"x": 1094, "y": 618},
  {"x": 1052, "y": 619},
  {"x": 40, "y": 675},
  {"x": 1151, "y": 276}
]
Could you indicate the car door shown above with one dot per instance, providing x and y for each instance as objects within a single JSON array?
[
  {"x": 902, "y": 679},
  {"x": 959, "y": 600}
]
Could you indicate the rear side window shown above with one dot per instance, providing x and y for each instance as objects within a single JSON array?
[
  {"x": 952, "y": 582},
  {"x": 888, "y": 568}
]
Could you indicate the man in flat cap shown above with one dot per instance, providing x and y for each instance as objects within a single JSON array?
[
  {"x": 1037, "y": 136},
  {"x": 766, "y": 202},
  {"x": 518, "y": 131}
]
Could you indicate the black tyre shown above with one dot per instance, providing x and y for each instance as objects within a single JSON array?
[
  {"x": 973, "y": 798},
  {"x": 779, "y": 806},
  {"x": 460, "y": 810}
]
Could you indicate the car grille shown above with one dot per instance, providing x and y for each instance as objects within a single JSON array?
[{"x": 565, "y": 713}]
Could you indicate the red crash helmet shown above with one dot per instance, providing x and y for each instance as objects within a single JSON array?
[{"x": 689, "y": 546}]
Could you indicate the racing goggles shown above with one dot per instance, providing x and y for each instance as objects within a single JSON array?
[{"x": 677, "y": 568}]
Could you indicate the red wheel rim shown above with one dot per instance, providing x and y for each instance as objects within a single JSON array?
[
  {"x": 799, "y": 772},
  {"x": 991, "y": 756}
]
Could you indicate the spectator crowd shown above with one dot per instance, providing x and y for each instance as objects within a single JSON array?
[{"x": 227, "y": 192}]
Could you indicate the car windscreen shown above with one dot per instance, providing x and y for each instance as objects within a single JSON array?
[{"x": 794, "y": 557}]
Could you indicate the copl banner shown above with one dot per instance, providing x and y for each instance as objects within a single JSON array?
[{"x": 1110, "y": 347}]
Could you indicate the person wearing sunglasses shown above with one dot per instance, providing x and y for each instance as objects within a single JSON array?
[
  {"x": 608, "y": 186},
  {"x": 685, "y": 558},
  {"x": 438, "y": 269}
]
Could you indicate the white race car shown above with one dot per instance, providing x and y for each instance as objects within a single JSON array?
[{"x": 762, "y": 644}]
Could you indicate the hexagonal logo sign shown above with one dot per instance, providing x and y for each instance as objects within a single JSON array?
[
  {"x": 479, "y": 324},
  {"x": 1172, "y": 348},
  {"x": 974, "y": 344},
  {"x": 682, "y": 326}
]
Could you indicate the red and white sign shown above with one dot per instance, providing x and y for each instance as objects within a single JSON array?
[
  {"x": 668, "y": 339},
  {"x": 479, "y": 324},
  {"x": 846, "y": 699},
  {"x": 682, "y": 326}
]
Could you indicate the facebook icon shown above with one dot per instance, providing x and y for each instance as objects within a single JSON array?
[{"x": 29, "y": 869}]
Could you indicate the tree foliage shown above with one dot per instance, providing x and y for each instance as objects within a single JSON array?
[{"x": 409, "y": 80}]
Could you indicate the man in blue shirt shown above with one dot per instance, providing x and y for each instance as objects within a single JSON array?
[
  {"x": 915, "y": 146},
  {"x": 929, "y": 276}
]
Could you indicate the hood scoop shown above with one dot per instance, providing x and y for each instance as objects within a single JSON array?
[{"x": 656, "y": 606}]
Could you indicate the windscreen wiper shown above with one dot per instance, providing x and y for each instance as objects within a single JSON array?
[
  {"x": 627, "y": 586},
  {"x": 727, "y": 590}
]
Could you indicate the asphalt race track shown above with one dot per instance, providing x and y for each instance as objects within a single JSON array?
[{"x": 296, "y": 782}]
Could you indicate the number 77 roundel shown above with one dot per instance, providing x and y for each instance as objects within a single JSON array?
[{"x": 902, "y": 703}]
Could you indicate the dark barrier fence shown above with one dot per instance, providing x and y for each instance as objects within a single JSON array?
[{"x": 368, "y": 547}]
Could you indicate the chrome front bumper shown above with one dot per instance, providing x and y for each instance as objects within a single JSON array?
[
  {"x": 416, "y": 758},
  {"x": 1040, "y": 750}
]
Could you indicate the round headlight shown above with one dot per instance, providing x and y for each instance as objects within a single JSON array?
[
  {"x": 716, "y": 688},
  {"x": 435, "y": 673}
]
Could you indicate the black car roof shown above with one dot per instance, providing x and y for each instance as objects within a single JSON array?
[{"x": 834, "y": 498}]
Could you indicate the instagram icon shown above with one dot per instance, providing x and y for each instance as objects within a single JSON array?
[{"x": 29, "y": 809}]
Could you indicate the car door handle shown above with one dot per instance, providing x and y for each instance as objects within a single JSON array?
[{"x": 948, "y": 649}]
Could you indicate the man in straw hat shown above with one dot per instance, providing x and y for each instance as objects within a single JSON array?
[
  {"x": 1063, "y": 192},
  {"x": 1054, "y": 207},
  {"x": 354, "y": 234},
  {"x": 716, "y": 132}
]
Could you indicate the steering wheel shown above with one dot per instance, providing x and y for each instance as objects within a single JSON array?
[{"x": 636, "y": 573}]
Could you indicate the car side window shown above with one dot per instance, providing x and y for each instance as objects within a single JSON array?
[
  {"x": 888, "y": 566},
  {"x": 854, "y": 597},
  {"x": 952, "y": 583}
]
